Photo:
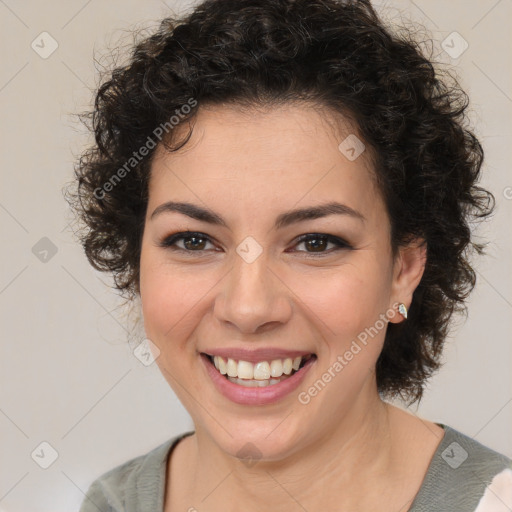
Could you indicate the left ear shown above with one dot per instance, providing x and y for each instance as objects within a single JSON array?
[{"x": 408, "y": 270}]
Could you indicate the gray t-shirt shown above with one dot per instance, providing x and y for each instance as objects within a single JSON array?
[{"x": 463, "y": 476}]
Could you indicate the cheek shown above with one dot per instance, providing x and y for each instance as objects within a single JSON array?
[
  {"x": 347, "y": 302},
  {"x": 346, "y": 306},
  {"x": 175, "y": 300},
  {"x": 167, "y": 300}
]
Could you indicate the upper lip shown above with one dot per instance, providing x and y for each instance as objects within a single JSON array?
[{"x": 256, "y": 355}]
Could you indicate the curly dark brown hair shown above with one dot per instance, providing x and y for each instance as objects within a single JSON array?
[{"x": 338, "y": 54}]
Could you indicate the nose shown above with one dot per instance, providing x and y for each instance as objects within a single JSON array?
[{"x": 253, "y": 298}]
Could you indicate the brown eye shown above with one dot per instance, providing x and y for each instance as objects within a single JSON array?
[
  {"x": 192, "y": 242},
  {"x": 315, "y": 243},
  {"x": 318, "y": 243}
]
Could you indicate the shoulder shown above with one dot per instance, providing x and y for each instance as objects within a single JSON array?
[
  {"x": 139, "y": 481},
  {"x": 463, "y": 476}
]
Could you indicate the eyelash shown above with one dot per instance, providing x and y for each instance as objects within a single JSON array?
[{"x": 170, "y": 241}]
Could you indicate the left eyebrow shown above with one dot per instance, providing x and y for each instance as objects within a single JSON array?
[
  {"x": 316, "y": 212},
  {"x": 283, "y": 220}
]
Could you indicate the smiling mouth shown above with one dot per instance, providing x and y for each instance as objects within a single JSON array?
[{"x": 260, "y": 374}]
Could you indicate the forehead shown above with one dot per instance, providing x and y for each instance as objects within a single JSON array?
[{"x": 267, "y": 157}]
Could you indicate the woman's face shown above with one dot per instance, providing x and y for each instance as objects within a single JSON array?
[{"x": 245, "y": 288}]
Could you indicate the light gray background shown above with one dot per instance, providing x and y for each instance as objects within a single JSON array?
[{"x": 68, "y": 376}]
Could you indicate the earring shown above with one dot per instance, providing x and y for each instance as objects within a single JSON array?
[{"x": 402, "y": 310}]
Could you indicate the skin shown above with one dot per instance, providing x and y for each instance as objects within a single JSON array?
[{"x": 346, "y": 448}]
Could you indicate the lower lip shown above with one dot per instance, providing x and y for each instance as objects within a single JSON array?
[{"x": 256, "y": 396}]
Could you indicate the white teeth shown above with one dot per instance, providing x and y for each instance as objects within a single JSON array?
[
  {"x": 222, "y": 365},
  {"x": 254, "y": 383},
  {"x": 287, "y": 366},
  {"x": 245, "y": 370},
  {"x": 262, "y": 371},
  {"x": 232, "y": 368},
  {"x": 276, "y": 368}
]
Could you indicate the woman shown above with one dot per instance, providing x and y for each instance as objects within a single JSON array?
[{"x": 287, "y": 187}]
